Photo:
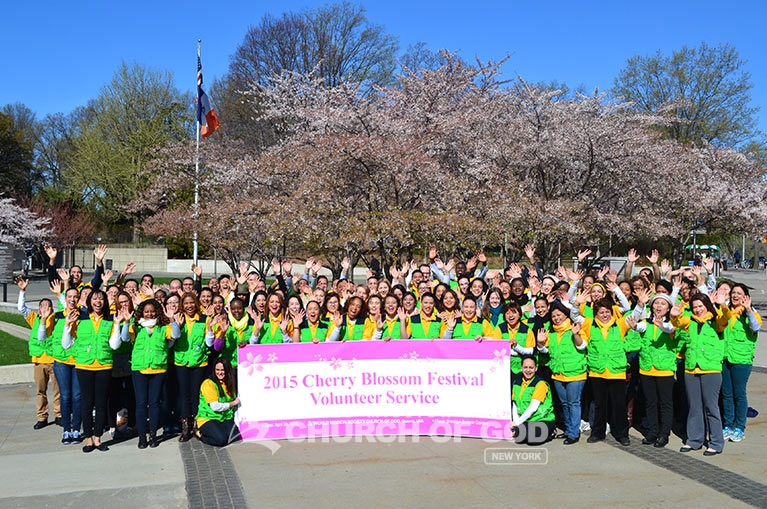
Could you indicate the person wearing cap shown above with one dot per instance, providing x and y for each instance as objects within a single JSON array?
[{"x": 657, "y": 363}]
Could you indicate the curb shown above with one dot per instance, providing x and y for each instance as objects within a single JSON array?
[{"x": 17, "y": 374}]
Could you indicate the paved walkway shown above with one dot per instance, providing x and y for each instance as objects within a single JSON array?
[{"x": 36, "y": 470}]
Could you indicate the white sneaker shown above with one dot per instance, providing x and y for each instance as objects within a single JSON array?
[
  {"x": 585, "y": 426},
  {"x": 607, "y": 429}
]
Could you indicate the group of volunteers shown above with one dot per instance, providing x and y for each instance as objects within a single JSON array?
[{"x": 661, "y": 350}]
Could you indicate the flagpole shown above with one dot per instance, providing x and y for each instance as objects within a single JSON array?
[{"x": 197, "y": 170}]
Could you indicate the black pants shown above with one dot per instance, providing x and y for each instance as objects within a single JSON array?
[
  {"x": 189, "y": 381},
  {"x": 121, "y": 396},
  {"x": 609, "y": 398},
  {"x": 218, "y": 433},
  {"x": 94, "y": 391},
  {"x": 534, "y": 433},
  {"x": 658, "y": 392}
]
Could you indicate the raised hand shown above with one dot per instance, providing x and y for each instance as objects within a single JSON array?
[
  {"x": 395, "y": 273},
  {"x": 99, "y": 252},
  {"x": 708, "y": 264},
  {"x": 197, "y": 270},
  {"x": 541, "y": 338},
  {"x": 338, "y": 318},
  {"x": 612, "y": 276},
  {"x": 346, "y": 263},
  {"x": 57, "y": 287},
  {"x": 746, "y": 301},
  {"x": 63, "y": 274},
  {"x": 287, "y": 266},
  {"x": 449, "y": 265},
  {"x": 631, "y": 321},
  {"x": 276, "y": 267},
  {"x": 316, "y": 266},
  {"x": 309, "y": 262},
  {"x": 72, "y": 316},
  {"x": 653, "y": 257},
  {"x": 601, "y": 274},
  {"x": 665, "y": 267},
  {"x": 284, "y": 324},
  {"x": 106, "y": 277},
  {"x": 252, "y": 284},
  {"x": 22, "y": 283},
  {"x": 482, "y": 257},
  {"x": 406, "y": 267},
  {"x": 576, "y": 329},
  {"x": 515, "y": 271},
  {"x": 643, "y": 296},
  {"x": 530, "y": 252},
  {"x": 401, "y": 314},
  {"x": 583, "y": 254},
  {"x": 676, "y": 311},
  {"x": 433, "y": 252},
  {"x": 632, "y": 255},
  {"x": 129, "y": 269},
  {"x": 52, "y": 253}
]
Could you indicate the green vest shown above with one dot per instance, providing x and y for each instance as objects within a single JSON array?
[
  {"x": 233, "y": 340},
  {"x": 418, "y": 332},
  {"x": 38, "y": 348},
  {"x": 205, "y": 412},
  {"x": 740, "y": 340},
  {"x": 150, "y": 350},
  {"x": 269, "y": 336},
  {"x": 57, "y": 351},
  {"x": 190, "y": 349},
  {"x": 564, "y": 358},
  {"x": 91, "y": 345},
  {"x": 606, "y": 353},
  {"x": 359, "y": 329},
  {"x": 658, "y": 350},
  {"x": 393, "y": 332},
  {"x": 306, "y": 332},
  {"x": 475, "y": 329},
  {"x": 522, "y": 398},
  {"x": 704, "y": 347},
  {"x": 521, "y": 337},
  {"x": 632, "y": 341}
]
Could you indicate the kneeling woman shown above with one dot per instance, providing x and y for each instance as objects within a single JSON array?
[
  {"x": 531, "y": 396},
  {"x": 218, "y": 398}
]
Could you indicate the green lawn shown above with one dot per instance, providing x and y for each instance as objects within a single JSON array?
[
  {"x": 13, "y": 350},
  {"x": 13, "y": 318}
]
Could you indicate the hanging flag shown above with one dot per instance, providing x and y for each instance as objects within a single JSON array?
[{"x": 206, "y": 115}]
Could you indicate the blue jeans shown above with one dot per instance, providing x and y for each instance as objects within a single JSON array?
[
  {"x": 148, "y": 389},
  {"x": 69, "y": 390},
  {"x": 570, "y": 395},
  {"x": 734, "y": 399}
]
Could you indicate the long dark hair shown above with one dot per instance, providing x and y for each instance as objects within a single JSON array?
[{"x": 229, "y": 379}]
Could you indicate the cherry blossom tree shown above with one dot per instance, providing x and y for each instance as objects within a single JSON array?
[
  {"x": 19, "y": 226},
  {"x": 453, "y": 156}
]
